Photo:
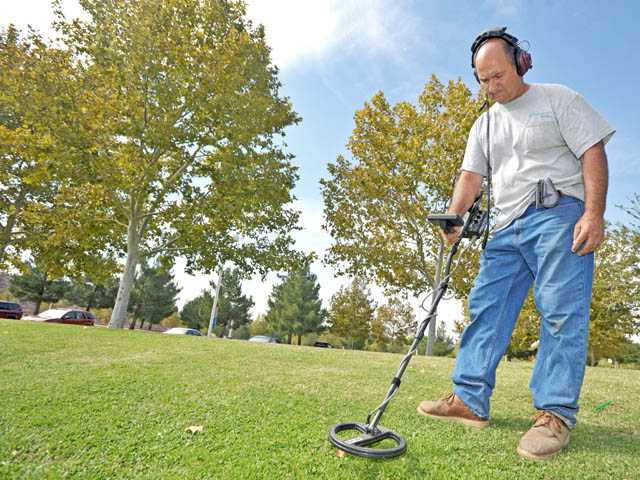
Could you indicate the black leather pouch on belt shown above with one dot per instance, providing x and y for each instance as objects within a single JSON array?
[{"x": 547, "y": 196}]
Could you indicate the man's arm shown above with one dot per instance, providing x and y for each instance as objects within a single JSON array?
[
  {"x": 589, "y": 231},
  {"x": 464, "y": 194}
]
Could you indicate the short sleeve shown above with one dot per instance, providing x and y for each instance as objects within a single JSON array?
[
  {"x": 581, "y": 125},
  {"x": 475, "y": 159}
]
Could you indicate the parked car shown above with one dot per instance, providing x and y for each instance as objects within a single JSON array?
[
  {"x": 320, "y": 344},
  {"x": 68, "y": 316},
  {"x": 264, "y": 339},
  {"x": 10, "y": 310},
  {"x": 183, "y": 331}
]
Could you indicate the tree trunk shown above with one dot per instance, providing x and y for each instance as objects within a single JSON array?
[
  {"x": 119, "y": 314},
  {"x": 132, "y": 323},
  {"x": 431, "y": 340},
  {"x": 43, "y": 287},
  {"x": 289, "y": 338},
  {"x": 299, "y": 339},
  {"x": 7, "y": 231}
]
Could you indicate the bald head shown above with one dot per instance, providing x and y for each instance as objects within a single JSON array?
[
  {"x": 496, "y": 71},
  {"x": 495, "y": 49}
]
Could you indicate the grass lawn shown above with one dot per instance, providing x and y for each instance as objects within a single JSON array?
[{"x": 96, "y": 403}]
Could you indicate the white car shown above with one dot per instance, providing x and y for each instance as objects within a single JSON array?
[
  {"x": 264, "y": 339},
  {"x": 183, "y": 331}
]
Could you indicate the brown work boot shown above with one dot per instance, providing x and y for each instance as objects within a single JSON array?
[
  {"x": 548, "y": 436},
  {"x": 451, "y": 408}
]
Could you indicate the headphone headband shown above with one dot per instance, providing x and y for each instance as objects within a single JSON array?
[
  {"x": 495, "y": 32},
  {"x": 522, "y": 58}
]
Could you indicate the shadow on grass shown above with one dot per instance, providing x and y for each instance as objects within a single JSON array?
[{"x": 584, "y": 437}]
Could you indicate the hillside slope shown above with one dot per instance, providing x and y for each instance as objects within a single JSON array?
[{"x": 99, "y": 403}]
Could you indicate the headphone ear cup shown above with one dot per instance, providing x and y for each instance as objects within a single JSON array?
[{"x": 523, "y": 61}]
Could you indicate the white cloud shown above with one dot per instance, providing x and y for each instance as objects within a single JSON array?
[
  {"x": 37, "y": 13},
  {"x": 300, "y": 30},
  {"x": 297, "y": 30},
  {"x": 507, "y": 8}
]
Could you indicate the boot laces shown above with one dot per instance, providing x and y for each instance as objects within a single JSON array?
[
  {"x": 544, "y": 418},
  {"x": 450, "y": 398}
]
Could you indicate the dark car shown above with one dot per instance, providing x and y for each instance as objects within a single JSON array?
[
  {"x": 10, "y": 310},
  {"x": 68, "y": 316},
  {"x": 320, "y": 344}
]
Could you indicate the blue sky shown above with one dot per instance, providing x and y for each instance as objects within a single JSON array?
[
  {"x": 336, "y": 54},
  {"x": 591, "y": 47}
]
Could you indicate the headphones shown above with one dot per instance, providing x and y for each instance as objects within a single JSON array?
[{"x": 522, "y": 57}]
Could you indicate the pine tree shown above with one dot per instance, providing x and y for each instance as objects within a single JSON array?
[
  {"x": 36, "y": 286},
  {"x": 154, "y": 295},
  {"x": 88, "y": 294},
  {"x": 233, "y": 308},
  {"x": 196, "y": 313},
  {"x": 295, "y": 307}
]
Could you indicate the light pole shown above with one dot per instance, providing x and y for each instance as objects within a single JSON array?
[{"x": 214, "y": 308}]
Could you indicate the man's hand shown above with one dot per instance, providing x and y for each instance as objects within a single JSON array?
[
  {"x": 588, "y": 233},
  {"x": 450, "y": 238},
  {"x": 464, "y": 194}
]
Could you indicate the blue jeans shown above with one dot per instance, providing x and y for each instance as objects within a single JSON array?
[{"x": 536, "y": 247}]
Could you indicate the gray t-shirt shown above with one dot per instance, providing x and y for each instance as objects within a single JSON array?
[{"x": 542, "y": 133}]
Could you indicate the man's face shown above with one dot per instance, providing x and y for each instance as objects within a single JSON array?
[{"x": 496, "y": 72}]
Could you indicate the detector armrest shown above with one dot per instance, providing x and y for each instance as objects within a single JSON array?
[{"x": 446, "y": 221}]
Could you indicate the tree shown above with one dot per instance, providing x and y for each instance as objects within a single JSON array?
[
  {"x": 39, "y": 135},
  {"x": 196, "y": 312},
  {"x": 260, "y": 326},
  {"x": 378, "y": 337},
  {"x": 398, "y": 321},
  {"x": 233, "y": 308},
  {"x": 615, "y": 305},
  {"x": 34, "y": 285},
  {"x": 294, "y": 306},
  {"x": 631, "y": 353},
  {"x": 189, "y": 159},
  {"x": 443, "y": 344},
  {"x": 154, "y": 295},
  {"x": 351, "y": 314},
  {"x": 27, "y": 70},
  {"x": 233, "y": 315},
  {"x": 405, "y": 159},
  {"x": 172, "y": 321},
  {"x": 634, "y": 211},
  {"x": 84, "y": 292}
]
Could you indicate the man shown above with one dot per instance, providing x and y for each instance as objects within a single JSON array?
[{"x": 536, "y": 131}]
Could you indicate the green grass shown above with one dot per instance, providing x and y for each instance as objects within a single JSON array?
[{"x": 96, "y": 403}]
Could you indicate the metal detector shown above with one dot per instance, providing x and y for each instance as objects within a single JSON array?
[{"x": 371, "y": 440}]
